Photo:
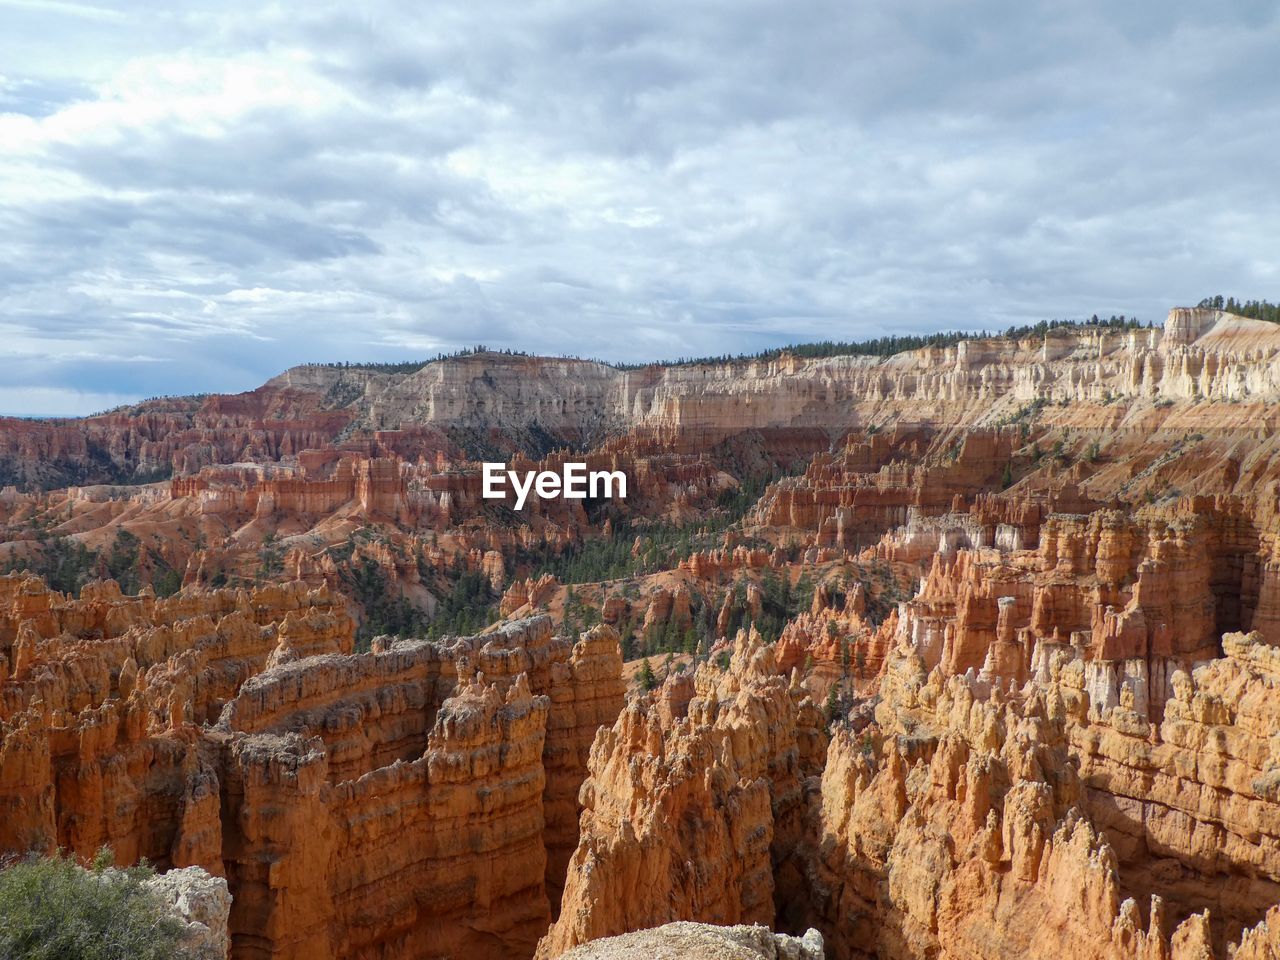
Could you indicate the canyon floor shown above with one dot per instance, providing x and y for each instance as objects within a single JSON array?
[{"x": 963, "y": 653}]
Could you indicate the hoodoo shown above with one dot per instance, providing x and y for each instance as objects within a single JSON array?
[{"x": 962, "y": 653}]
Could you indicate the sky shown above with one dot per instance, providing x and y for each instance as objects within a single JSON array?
[{"x": 195, "y": 196}]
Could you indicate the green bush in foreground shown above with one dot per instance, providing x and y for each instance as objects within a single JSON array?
[{"x": 53, "y": 909}]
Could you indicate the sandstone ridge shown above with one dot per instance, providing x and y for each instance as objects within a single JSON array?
[{"x": 967, "y": 653}]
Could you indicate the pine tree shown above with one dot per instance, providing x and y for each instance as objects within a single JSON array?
[{"x": 647, "y": 680}]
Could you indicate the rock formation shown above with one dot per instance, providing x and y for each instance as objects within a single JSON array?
[
  {"x": 404, "y": 818},
  {"x": 414, "y": 798},
  {"x": 687, "y": 813},
  {"x": 700, "y": 941},
  {"x": 987, "y": 669},
  {"x": 203, "y": 904}
]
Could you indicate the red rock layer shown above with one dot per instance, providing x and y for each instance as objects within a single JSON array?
[
  {"x": 471, "y": 831},
  {"x": 960, "y": 829},
  {"x": 439, "y": 855},
  {"x": 687, "y": 813},
  {"x": 98, "y": 718},
  {"x": 418, "y": 799}
]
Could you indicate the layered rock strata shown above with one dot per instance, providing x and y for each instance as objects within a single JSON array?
[
  {"x": 1043, "y": 629},
  {"x": 1200, "y": 355},
  {"x": 689, "y": 809},
  {"x": 974, "y": 824},
  {"x": 416, "y": 800},
  {"x": 100, "y": 715}
]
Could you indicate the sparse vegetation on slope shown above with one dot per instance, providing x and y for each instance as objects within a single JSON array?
[
  {"x": 67, "y": 565},
  {"x": 53, "y": 909},
  {"x": 874, "y": 347},
  {"x": 893, "y": 345},
  {"x": 1254, "y": 309},
  {"x": 634, "y": 549}
]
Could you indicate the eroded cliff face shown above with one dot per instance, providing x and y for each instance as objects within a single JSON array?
[
  {"x": 173, "y": 435},
  {"x": 973, "y": 817},
  {"x": 974, "y": 824},
  {"x": 531, "y": 402},
  {"x": 101, "y": 708},
  {"x": 379, "y": 530},
  {"x": 416, "y": 800},
  {"x": 1070, "y": 746},
  {"x": 437, "y": 855},
  {"x": 691, "y": 803},
  {"x": 987, "y": 670},
  {"x": 1200, "y": 353}
]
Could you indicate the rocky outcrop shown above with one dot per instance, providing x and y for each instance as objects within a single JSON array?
[
  {"x": 586, "y": 695},
  {"x": 1200, "y": 354},
  {"x": 1204, "y": 353},
  {"x": 686, "y": 817},
  {"x": 1042, "y": 631},
  {"x": 418, "y": 797},
  {"x": 419, "y": 821},
  {"x": 963, "y": 818},
  {"x": 440, "y": 852},
  {"x": 203, "y": 904},
  {"x": 961, "y": 830},
  {"x": 1070, "y": 751},
  {"x": 99, "y": 739},
  {"x": 159, "y": 437},
  {"x": 527, "y": 595},
  {"x": 701, "y": 941}
]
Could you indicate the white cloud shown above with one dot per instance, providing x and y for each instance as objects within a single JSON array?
[
  {"x": 619, "y": 181},
  {"x": 64, "y": 7}
]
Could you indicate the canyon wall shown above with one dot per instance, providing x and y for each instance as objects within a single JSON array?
[
  {"x": 693, "y": 800},
  {"x": 1070, "y": 743},
  {"x": 974, "y": 824},
  {"x": 103, "y": 701},
  {"x": 418, "y": 799},
  {"x": 1004, "y": 684},
  {"x": 1200, "y": 355}
]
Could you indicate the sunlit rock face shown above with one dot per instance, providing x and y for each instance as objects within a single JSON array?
[
  {"x": 689, "y": 810},
  {"x": 393, "y": 801},
  {"x": 1200, "y": 354},
  {"x": 986, "y": 667},
  {"x": 702, "y": 941}
]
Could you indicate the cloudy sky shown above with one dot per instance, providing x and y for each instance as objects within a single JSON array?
[{"x": 195, "y": 198}]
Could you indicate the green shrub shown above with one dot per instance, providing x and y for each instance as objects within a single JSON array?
[{"x": 53, "y": 909}]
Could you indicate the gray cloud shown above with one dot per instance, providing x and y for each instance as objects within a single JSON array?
[{"x": 226, "y": 190}]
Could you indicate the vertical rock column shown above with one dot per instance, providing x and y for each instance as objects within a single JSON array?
[
  {"x": 482, "y": 890},
  {"x": 586, "y": 693},
  {"x": 277, "y": 847},
  {"x": 26, "y": 785}
]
